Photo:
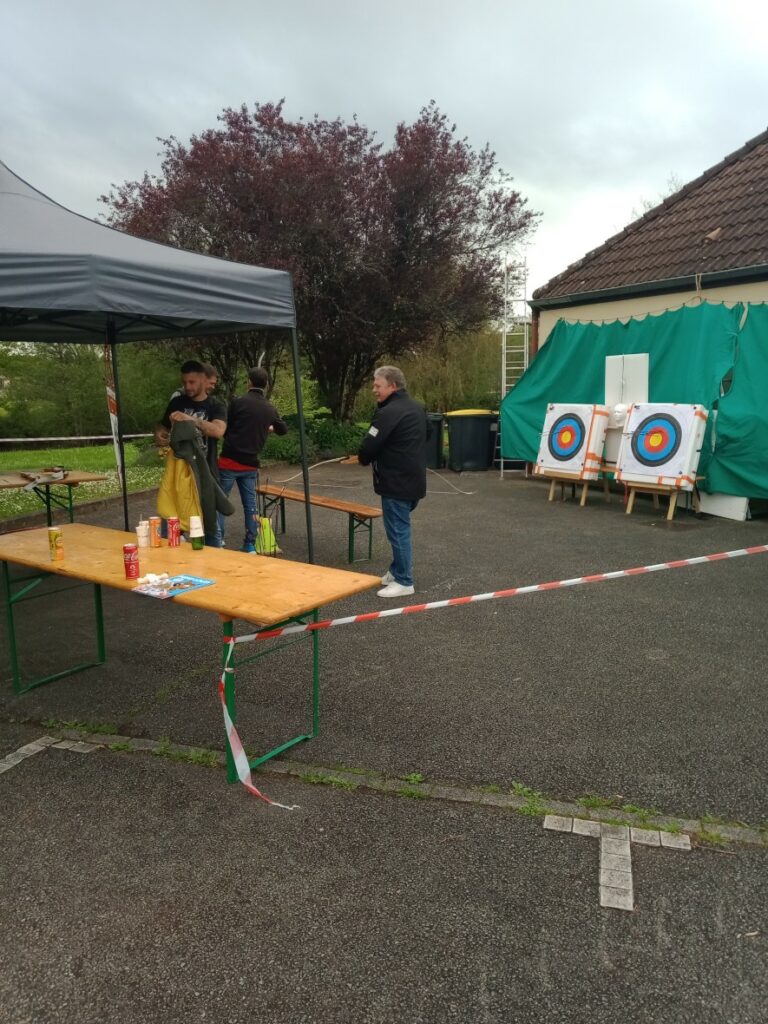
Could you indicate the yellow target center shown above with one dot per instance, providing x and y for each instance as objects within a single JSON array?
[
  {"x": 566, "y": 437},
  {"x": 655, "y": 440}
]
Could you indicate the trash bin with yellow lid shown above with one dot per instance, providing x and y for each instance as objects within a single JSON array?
[{"x": 471, "y": 438}]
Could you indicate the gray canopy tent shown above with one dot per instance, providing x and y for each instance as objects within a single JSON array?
[{"x": 65, "y": 278}]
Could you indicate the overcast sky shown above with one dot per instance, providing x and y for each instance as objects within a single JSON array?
[{"x": 590, "y": 104}]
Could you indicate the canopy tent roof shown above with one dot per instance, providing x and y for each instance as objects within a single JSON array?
[{"x": 63, "y": 277}]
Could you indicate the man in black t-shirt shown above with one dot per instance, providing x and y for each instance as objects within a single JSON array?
[{"x": 208, "y": 414}]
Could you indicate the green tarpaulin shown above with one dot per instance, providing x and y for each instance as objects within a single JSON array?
[{"x": 692, "y": 351}]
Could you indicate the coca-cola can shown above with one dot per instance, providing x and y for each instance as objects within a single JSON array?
[
  {"x": 131, "y": 560},
  {"x": 174, "y": 532}
]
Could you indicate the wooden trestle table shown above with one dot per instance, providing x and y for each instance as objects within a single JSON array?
[
  {"x": 267, "y": 592},
  {"x": 50, "y": 491}
]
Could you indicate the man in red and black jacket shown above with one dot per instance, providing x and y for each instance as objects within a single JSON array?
[
  {"x": 250, "y": 419},
  {"x": 395, "y": 448}
]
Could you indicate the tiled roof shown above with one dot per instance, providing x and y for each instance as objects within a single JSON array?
[{"x": 716, "y": 223}]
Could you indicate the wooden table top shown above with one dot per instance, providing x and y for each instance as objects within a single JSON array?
[
  {"x": 72, "y": 479},
  {"x": 261, "y": 590}
]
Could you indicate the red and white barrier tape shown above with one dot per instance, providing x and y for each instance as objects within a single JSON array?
[
  {"x": 238, "y": 754},
  {"x": 268, "y": 634}
]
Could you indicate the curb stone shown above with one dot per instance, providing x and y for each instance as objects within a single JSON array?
[{"x": 376, "y": 782}]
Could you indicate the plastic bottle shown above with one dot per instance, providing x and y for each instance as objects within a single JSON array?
[{"x": 142, "y": 533}]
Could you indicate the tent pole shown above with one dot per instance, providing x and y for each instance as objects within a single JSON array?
[
  {"x": 121, "y": 449},
  {"x": 302, "y": 442}
]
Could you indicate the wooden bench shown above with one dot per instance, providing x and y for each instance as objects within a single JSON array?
[{"x": 360, "y": 516}]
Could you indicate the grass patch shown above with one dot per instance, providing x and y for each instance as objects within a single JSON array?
[
  {"x": 318, "y": 779},
  {"x": 120, "y": 746},
  {"x": 491, "y": 788},
  {"x": 103, "y": 728},
  {"x": 533, "y": 806},
  {"x": 412, "y": 794},
  {"x": 592, "y": 800},
  {"x": 711, "y": 838},
  {"x": 413, "y": 777}
]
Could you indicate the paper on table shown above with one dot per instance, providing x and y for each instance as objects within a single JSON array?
[{"x": 172, "y": 586}]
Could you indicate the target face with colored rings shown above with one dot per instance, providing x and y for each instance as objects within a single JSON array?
[
  {"x": 656, "y": 439},
  {"x": 566, "y": 437}
]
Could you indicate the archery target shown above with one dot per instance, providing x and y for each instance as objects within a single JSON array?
[
  {"x": 661, "y": 444},
  {"x": 572, "y": 441}
]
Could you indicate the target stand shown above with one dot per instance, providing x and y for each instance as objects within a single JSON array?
[
  {"x": 660, "y": 489},
  {"x": 660, "y": 451},
  {"x": 571, "y": 448}
]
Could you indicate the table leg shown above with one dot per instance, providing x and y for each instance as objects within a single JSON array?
[
  {"x": 359, "y": 523},
  {"x": 228, "y": 668},
  {"x": 25, "y": 594}
]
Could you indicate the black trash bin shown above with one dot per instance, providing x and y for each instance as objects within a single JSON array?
[
  {"x": 471, "y": 439},
  {"x": 435, "y": 440}
]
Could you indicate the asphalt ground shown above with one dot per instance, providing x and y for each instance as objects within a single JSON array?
[{"x": 140, "y": 887}]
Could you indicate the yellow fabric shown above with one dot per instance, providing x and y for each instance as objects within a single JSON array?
[{"x": 178, "y": 495}]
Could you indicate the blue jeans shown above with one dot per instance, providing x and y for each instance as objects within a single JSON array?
[
  {"x": 397, "y": 525},
  {"x": 247, "y": 481}
]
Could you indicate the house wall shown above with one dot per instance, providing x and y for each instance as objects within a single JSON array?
[{"x": 644, "y": 304}]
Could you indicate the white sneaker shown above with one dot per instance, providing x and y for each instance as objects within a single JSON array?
[
  {"x": 395, "y": 589},
  {"x": 387, "y": 578}
]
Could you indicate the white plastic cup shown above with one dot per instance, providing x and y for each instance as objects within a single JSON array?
[{"x": 142, "y": 534}]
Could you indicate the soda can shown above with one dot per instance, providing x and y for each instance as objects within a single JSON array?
[
  {"x": 131, "y": 560},
  {"x": 56, "y": 543},
  {"x": 154, "y": 531},
  {"x": 174, "y": 532}
]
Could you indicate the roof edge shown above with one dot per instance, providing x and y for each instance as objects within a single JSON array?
[
  {"x": 660, "y": 208},
  {"x": 738, "y": 275}
]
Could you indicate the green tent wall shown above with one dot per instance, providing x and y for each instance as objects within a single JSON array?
[{"x": 691, "y": 350}]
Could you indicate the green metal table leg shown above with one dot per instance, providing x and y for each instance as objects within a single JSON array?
[
  {"x": 315, "y": 678},
  {"x": 11, "y": 599},
  {"x": 228, "y": 667},
  {"x": 356, "y": 523},
  {"x": 8, "y": 599},
  {"x": 101, "y": 647},
  {"x": 315, "y": 697},
  {"x": 48, "y": 506}
]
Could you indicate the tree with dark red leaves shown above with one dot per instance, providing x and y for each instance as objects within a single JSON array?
[{"x": 389, "y": 249}]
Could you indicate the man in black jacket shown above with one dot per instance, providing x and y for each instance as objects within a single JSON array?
[
  {"x": 395, "y": 447},
  {"x": 250, "y": 419}
]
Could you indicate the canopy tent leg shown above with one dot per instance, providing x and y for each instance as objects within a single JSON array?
[
  {"x": 302, "y": 443},
  {"x": 115, "y": 413}
]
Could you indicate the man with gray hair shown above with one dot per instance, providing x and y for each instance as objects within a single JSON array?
[{"x": 395, "y": 448}]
